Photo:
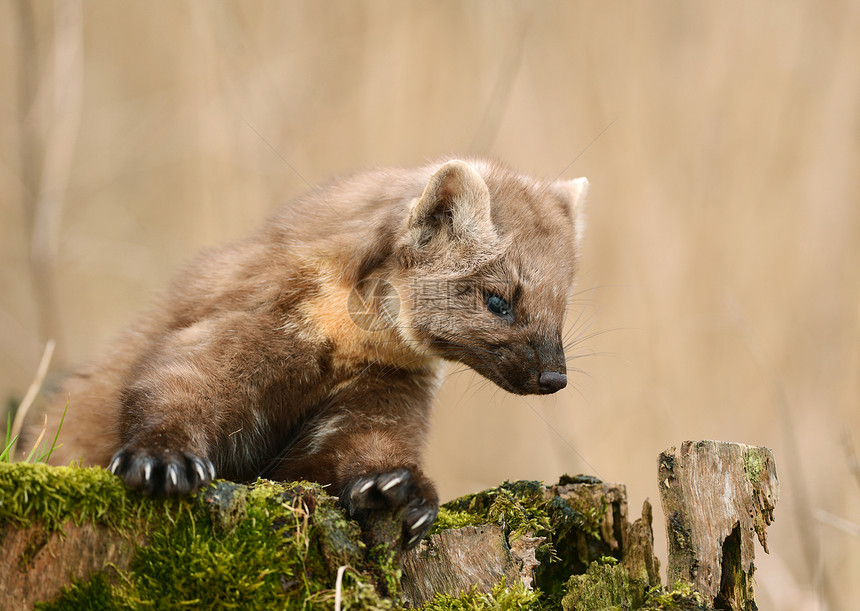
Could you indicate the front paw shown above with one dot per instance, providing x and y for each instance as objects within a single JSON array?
[
  {"x": 158, "y": 472},
  {"x": 412, "y": 494}
]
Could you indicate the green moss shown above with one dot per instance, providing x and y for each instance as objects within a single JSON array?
[
  {"x": 226, "y": 503},
  {"x": 519, "y": 506},
  {"x": 587, "y": 519},
  {"x": 211, "y": 572},
  {"x": 603, "y": 586},
  {"x": 681, "y": 597},
  {"x": 37, "y": 541},
  {"x": 572, "y": 533},
  {"x": 97, "y": 594},
  {"x": 611, "y": 560},
  {"x": 231, "y": 547},
  {"x": 608, "y": 586},
  {"x": 754, "y": 464},
  {"x": 522, "y": 507},
  {"x": 279, "y": 546},
  {"x": 337, "y": 538},
  {"x": 386, "y": 568},
  {"x": 500, "y": 598},
  {"x": 452, "y": 518},
  {"x": 54, "y": 495}
]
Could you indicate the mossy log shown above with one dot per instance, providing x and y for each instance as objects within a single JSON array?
[
  {"x": 549, "y": 534},
  {"x": 717, "y": 497},
  {"x": 78, "y": 539}
]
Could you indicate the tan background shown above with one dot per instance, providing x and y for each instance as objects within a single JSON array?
[{"x": 721, "y": 297}]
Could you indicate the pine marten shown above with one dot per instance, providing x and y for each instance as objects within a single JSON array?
[{"x": 312, "y": 350}]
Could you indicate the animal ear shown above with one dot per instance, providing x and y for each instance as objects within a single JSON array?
[
  {"x": 455, "y": 203},
  {"x": 574, "y": 192}
]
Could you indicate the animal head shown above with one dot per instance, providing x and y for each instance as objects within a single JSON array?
[{"x": 484, "y": 266}]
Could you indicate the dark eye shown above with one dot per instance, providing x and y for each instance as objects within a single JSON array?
[{"x": 498, "y": 306}]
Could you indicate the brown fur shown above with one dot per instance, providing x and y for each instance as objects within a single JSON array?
[{"x": 252, "y": 363}]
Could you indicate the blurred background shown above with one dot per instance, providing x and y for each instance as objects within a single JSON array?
[{"x": 719, "y": 296}]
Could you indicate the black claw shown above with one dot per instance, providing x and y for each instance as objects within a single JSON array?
[
  {"x": 201, "y": 471},
  {"x": 393, "y": 490},
  {"x": 162, "y": 472},
  {"x": 417, "y": 521},
  {"x": 395, "y": 486},
  {"x": 381, "y": 490}
]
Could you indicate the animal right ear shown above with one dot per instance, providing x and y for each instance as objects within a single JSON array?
[
  {"x": 574, "y": 192},
  {"x": 455, "y": 204}
]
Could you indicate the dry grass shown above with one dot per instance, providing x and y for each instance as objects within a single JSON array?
[{"x": 724, "y": 234}]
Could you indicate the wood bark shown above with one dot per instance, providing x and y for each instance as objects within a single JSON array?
[
  {"x": 717, "y": 498},
  {"x": 457, "y": 559},
  {"x": 36, "y": 564}
]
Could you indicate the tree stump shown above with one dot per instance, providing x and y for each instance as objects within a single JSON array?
[
  {"x": 456, "y": 560},
  {"x": 717, "y": 497},
  {"x": 79, "y": 538},
  {"x": 586, "y": 523}
]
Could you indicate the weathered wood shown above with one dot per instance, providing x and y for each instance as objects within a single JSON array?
[
  {"x": 589, "y": 495},
  {"x": 717, "y": 497},
  {"x": 633, "y": 543},
  {"x": 524, "y": 550},
  {"x": 457, "y": 559},
  {"x": 638, "y": 556},
  {"x": 36, "y": 564}
]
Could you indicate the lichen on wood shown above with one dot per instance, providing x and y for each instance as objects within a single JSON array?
[
  {"x": 717, "y": 498},
  {"x": 533, "y": 535},
  {"x": 78, "y": 539}
]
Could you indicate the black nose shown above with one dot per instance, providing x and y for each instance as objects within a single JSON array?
[{"x": 550, "y": 382}]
